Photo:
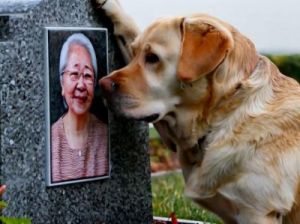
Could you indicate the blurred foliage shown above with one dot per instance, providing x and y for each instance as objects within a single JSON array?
[
  {"x": 168, "y": 197},
  {"x": 159, "y": 152},
  {"x": 3, "y": 204},
  {"x": 12, "y": 220},
  {"x": 153, "y": 134},
  {"x": 9, "y": 220},
  {"x": 287, "y": 64},
  {"x": 162, "y": 159}
]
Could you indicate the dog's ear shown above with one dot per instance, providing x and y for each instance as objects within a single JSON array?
[{"x": 204, "y": 46}]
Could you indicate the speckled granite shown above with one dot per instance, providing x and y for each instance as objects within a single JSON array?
[
  {"x": 16, "y": 6},
  {"x": 123, "y": 198}
]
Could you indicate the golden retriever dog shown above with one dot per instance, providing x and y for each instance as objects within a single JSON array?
[{"x": 230, "y": 114}]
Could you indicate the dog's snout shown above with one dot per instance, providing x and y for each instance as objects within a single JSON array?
[{"x": 108, "y": 85}]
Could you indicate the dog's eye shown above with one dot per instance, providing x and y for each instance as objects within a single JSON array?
[{"x": 151, "y": 58}]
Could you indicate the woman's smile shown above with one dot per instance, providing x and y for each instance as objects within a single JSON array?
[
  {"x": 80, "y": 101},
  {"x": 81, "y": 97}
]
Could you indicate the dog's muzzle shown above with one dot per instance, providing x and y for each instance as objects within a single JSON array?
[{"x": 108, "y": 86}]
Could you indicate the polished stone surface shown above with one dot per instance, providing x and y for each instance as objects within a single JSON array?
[
  {"x": 17, "y": 6},
  {"x": 123, "y": 198}
]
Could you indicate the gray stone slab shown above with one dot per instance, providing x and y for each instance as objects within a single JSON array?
[
  {"x": 123, "y": 198},
  {"x": 17, "y": 6}
]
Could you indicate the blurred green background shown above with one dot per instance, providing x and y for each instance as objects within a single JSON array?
[{"x": 287, "y": 64}]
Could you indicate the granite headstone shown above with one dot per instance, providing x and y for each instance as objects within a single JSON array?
[{"x": 125, "y": 197}]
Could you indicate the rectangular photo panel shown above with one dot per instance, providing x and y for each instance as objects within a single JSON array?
[{"x": 77, "y": 120}]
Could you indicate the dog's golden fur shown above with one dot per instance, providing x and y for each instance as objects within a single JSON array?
[{"x": 233, "y": 118}]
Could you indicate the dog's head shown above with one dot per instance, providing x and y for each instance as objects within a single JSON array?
[{"x": 172, "y": 61}]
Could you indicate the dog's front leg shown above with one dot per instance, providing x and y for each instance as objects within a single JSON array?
[{"x": 125, "y": 29}]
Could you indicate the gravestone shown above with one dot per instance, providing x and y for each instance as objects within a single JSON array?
[{"x": 125, "y": 197}]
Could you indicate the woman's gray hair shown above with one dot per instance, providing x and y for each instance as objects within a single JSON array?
[{"x": 81, "y": 39}]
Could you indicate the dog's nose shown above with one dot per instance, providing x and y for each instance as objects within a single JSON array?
[{"x": 108, "y": 85}]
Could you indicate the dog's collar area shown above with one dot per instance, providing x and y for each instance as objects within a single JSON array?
[
  {"x": 275, "y": 214},
  {"x": 201, "y": 142},
  {"x": 257, "y": 65},
  {"x": 183, "y": 85}
]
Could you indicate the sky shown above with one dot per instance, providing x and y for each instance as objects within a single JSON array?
[{"x": 273, "y": 25}]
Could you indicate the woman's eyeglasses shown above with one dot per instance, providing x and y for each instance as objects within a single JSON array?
[{"x": 88, "y": 78}]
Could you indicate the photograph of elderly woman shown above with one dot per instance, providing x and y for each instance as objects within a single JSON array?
[{"x": 78, "y": 120}]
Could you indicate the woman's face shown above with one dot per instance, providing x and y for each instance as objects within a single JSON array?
[{"x": 78, "y": 80}]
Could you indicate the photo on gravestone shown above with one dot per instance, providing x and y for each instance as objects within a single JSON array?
[{"x": 77, "y": 120}]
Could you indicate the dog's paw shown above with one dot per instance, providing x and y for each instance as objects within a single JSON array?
[
  {"x": 111, "y": 4},
  {"x": 99, "y": 3},
  {"x": 112, "y": 8}
]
